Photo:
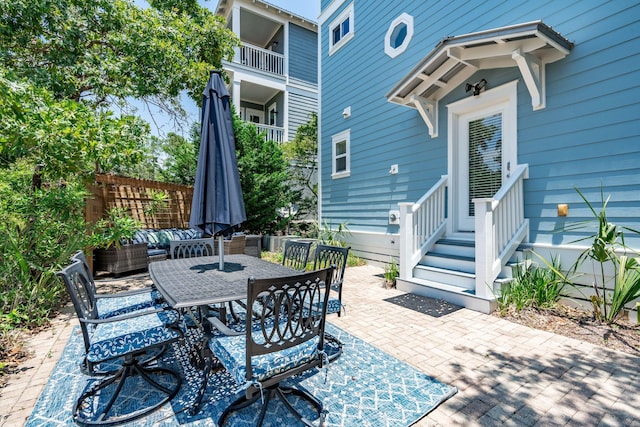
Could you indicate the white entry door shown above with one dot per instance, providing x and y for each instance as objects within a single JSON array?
[{"x": 482, "y": 150}]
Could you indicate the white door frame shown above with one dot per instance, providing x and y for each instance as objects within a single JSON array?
[
  {"x": 501, "y": 99},
  {"x": 245, "y": 114},
  {"x": 272, "y": 109}
]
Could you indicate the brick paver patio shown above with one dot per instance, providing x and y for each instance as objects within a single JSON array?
[{"x": 506, "y": 374}]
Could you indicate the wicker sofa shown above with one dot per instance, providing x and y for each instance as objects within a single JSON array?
[{"x": 159, "y": 241}]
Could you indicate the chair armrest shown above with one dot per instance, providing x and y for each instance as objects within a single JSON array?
[
  {"x": 217, "y": 323},
  {"x": 133, "y": 315},
  {"x": 126, "y": 293}
]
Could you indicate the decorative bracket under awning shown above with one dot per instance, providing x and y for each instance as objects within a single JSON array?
[{"x": 529, "y": 46}]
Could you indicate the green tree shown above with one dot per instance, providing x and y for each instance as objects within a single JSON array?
[
  {"x": 302, "y": 154},
  {"x": 105, "y": 51},
  {"x": 181, "y": 157},
  {"x": 64, "y": 138},
  {"x": 263, "y": 176},
  {"x": 64, "y": 66}
]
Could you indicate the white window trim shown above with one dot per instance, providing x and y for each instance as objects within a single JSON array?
[
  {"x": 406, "y": 19},
  {"x": 342, "y": 136},
  {"x": 347, "y": 13}
]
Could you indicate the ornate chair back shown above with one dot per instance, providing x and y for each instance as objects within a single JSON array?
[
  {"x": 295, "y": 254},
  {"x": 81, "y": 290},
  {"x": 192, "y": 248},
  {"x": 285, "y": 339}
]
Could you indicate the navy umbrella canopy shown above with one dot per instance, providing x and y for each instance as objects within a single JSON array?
[{"x": 217, "y": 204}]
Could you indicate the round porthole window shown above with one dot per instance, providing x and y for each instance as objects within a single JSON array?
[{"x": 398, "y": 35}]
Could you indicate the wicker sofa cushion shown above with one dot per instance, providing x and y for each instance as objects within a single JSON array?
[{"x": 161, "y": 239}]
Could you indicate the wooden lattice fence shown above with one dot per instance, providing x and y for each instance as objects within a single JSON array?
[{"x": 136, "y": 196}]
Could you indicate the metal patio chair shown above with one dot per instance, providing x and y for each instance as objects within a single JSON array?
[
  {"x": 336, "y": 256},
  {"x": 283, "y": 341},
  {"x": 125, "y": 339},
  {"x": 295, "y": 254},
  {"x": 191, "y": 248},
  {"x": 119, "y": 303}
]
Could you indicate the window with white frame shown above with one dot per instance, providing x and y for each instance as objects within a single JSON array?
[
  {"x": 340, "y": 154},
  {"x": 398, "y": 35},
  {"x": 341, "y": 29}
]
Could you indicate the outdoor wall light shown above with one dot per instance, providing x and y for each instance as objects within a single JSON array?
[{"x": 477, "y": 87}]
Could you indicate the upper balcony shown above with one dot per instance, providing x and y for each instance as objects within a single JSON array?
[{"x": 261, "y": 59}]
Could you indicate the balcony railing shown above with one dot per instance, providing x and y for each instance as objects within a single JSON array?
[
  {"x": 274, "y": 133},
  {"x": 261, "y": 59}
]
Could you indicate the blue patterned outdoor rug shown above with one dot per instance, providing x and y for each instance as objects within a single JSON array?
[{"x": 363, "y": 387}]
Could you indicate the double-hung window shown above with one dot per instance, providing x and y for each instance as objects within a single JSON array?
[
  {"x": 340, "y": 154},
  {"x": 341, "y": 29}
]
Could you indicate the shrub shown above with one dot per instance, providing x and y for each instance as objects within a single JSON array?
[
  {"x": 607, "y": 240},
  {"x": 41, "y": 228},
  {"x": 532, "y": 286}
]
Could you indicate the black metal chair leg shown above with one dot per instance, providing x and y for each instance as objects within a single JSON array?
[
  {"x": 130, "y": 369},
  {"x": 241, "y": 402},
  {"x": 334, "y": 342},
  {"x": 282, "y": 391}
]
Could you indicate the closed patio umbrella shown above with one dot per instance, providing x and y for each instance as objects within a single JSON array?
[{"x": 217, "y": 204}]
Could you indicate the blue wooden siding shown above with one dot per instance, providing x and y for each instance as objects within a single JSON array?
[
  {"x": 588, "y": 136},
  {"x": 303, "y": 54},
  {"x": 301, "y": 105}
]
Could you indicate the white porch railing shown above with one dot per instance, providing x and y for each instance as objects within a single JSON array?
[
  {"x": 261, "y": 59},
  {"x": 421, "y": 225},
  {"x": 274, "y": 133},
  {"x": 500, "y": 227}
]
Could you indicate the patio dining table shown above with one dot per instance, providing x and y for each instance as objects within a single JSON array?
[{"x": 195, "y": 282}]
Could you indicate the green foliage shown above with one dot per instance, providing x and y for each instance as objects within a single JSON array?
[
  {"x": 328, "y": 235},
  {"x": 626, "y": 285},
  {"x": 181, "y": 157},
  {"x": 158, "y": 201},
  {"x": 532, "y": 286},
  {"x": 64, "y": 65},
  {"x": 66, "y": 138},
  {"x": 41, "y": 228},
  {"x": 391, "y": 272},
  {"x": 302, "y": 154},
  {"x": 101, "y": 50},
  {"x": 606, "y": 241},
  {"x": 263, "y": 177},
  {"x": 117, "y": 229}
]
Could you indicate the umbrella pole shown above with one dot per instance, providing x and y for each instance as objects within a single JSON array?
[{"x": 221, "y": 253}]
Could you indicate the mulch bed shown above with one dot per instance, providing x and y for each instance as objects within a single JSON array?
[{"x": 581, "y": 325}]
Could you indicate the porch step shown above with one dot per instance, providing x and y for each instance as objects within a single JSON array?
[
  {"x": 445, "y": 276},
  {"x": 451, "y": 261},
  {"x": 447, "y": 272},
  {"x": 453, "y": 294}
]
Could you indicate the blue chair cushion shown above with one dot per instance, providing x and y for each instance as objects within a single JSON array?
[
  {"x": 116, "y": 339},
  {"x": 231, "y": 351},
  {"x": 333, "y": 306},
  {"x": 116, "y": 306}
]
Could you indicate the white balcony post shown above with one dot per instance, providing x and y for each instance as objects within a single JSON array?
[
  {"x": 235, "y": 27},
  {"x": 235, "y": 95},
  {"x": 406, "y": 239},
  {"x": 484, "y": 246}
]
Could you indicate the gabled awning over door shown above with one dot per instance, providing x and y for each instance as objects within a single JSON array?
[{"x": 528, "y": 46}]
